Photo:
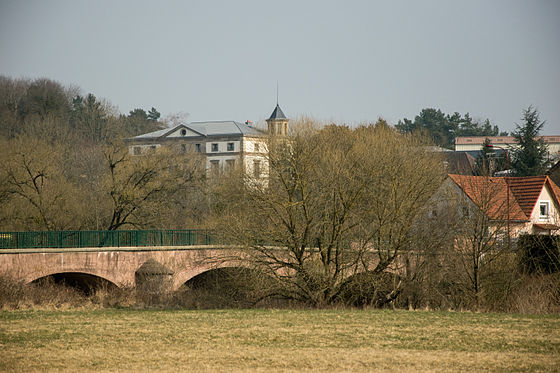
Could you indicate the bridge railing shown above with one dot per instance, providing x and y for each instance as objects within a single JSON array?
[{"x": 81, "y": 239}]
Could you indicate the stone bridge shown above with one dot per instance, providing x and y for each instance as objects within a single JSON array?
[{"x": 117, "y": 266}]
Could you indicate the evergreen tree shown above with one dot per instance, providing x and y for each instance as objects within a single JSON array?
[
  {"x": 485, "y": 159},
  {"x": 444, "y": 128},
  {"x": 529, "y": 159},
  {"x": 153, "y": 114}
]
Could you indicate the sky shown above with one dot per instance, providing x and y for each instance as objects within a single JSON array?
[{"x": 337, "y": 61}]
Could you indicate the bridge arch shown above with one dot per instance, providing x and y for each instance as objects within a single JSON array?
[
  {"x": 73, "y": 273},
  {"x": 82, "y": 281},
  {"x": 184, "y": 275}
]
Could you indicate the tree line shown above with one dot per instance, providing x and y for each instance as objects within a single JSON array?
[{"x": 64, "y": 165}]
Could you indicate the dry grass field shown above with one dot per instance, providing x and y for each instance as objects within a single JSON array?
[{"x": 277, "y": 340}]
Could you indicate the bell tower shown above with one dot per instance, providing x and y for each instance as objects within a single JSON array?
[{"x": 277, "y": 123}]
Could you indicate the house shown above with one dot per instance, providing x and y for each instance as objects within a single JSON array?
[
  {"x": 223, "y": 144},
  {"x": 534, "y": 201}
]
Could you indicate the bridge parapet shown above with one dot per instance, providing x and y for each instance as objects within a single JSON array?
[{"x": 88, "y": 239}]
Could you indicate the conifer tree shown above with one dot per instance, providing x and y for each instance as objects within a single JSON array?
[{"x": 529, "y": 159}]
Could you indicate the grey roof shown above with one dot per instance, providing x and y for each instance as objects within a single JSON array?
[
  {"x": 211, "y": 128},
  {"x": 277, "y": 113}
]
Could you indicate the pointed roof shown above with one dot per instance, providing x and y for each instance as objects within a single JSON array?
[
  {"x": 277, "y": 114},
  {"x": 492, "y": 193},
  {"x": 526, "y": 191}
]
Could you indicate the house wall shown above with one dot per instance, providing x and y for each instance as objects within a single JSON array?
[
  {"x": 222, "y": 146},
  {"x": 138, "y": 149},
  {"x": 554, "y": 210}
]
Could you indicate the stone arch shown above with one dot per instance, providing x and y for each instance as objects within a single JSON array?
[
  {"x": 103, "y": 275},
  {"x": 182, "y": 277},
  {"x": 83, "y": 281}
]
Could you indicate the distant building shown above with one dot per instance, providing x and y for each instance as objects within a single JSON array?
[
  {"x": 473, "y": 144},
  {"x": 224, "y": 144}
]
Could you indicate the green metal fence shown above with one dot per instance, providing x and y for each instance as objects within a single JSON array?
[{"x": 80, "y": 239}]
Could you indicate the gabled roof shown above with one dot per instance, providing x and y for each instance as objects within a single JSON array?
[
  {"x": 207, "y": 129},
  {"x": 526, "y": 191},
  {"x": 277, "y": 114},
  {"x": 490, "y": 194}
]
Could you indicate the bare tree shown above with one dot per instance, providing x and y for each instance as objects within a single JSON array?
[
  {"x": 38, "y": 194},
  {"x": 338, "y": 202},
  {"x": 141, "y": 187},
  {"x": 478, "y": 207}
]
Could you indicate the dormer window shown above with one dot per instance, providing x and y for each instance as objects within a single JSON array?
[
  {"x": 183, "y": 132},
  {"x": 544, "y": 210}
]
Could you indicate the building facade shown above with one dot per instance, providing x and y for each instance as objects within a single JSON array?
[
  {"x": 473, "y": 144},
  {"x": 223, "y": 144}
]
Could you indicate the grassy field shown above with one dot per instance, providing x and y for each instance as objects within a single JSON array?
[{"x": 277, "y": 340}]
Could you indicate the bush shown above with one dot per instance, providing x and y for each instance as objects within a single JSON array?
[
  {"x": 42, "y": 294},
  {"x": 537, "y": 294},
  {"x": 539, "y": 254}
]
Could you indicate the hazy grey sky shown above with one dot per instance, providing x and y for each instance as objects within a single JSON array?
[{"x": 346, "y": 61}]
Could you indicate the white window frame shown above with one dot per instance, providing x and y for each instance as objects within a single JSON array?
[{"x": 546, "y": 205}]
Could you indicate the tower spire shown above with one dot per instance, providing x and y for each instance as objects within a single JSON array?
[{"x": 277, "y": 123}]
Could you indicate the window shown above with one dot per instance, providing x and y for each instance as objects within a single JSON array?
[
  {"x": 230, "y": 146},
  {"x": 230, "y": 164},
  {"x": 544, "y": 210},
  {"x": 153, "y": 147},
  {"x": 215, "y": 167},
  {"x": 257, "y": 147},
  {"x": 137, "y": 150},
  {"x": 257, "y": 168},
  {"x": 214, "y": 147},
  {"x": 183, "y": 132},
  {"x": 198, "y": 148}
]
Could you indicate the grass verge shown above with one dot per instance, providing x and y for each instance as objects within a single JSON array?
[{"x": 277, "y": 340}]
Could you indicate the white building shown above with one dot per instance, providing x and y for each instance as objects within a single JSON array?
[
  {"x": 224, "y": 144},
  {"x": 473, "y": 144}
]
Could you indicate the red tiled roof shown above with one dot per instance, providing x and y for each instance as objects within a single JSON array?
[
  {"x": 526, "y": 191},
  {"x": 490, "y": 194},
  {"x": 554, "y": 188}
]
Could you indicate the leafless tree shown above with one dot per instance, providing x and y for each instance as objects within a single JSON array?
[{"x": 337, "y": 202}]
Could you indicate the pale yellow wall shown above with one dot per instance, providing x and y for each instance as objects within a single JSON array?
[
  {"x": 554, "y": 218},
  {"x": 222, "y": 146}
]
